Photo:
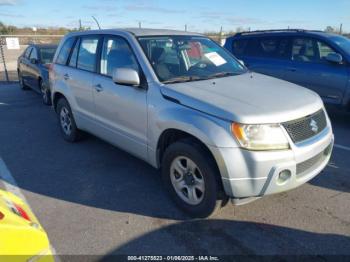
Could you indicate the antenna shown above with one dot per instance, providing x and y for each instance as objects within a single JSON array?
[{"x": 99, "y": 27}]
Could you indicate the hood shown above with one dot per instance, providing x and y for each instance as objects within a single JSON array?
[{"x": 248, "y": 98}]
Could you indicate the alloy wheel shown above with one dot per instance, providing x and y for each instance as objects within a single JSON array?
[{"x": 187, "y": 180}]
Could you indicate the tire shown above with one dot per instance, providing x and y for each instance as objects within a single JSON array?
[
  {"x": 45, "y": 92},
  {"x": 66, "y": 121},
  {"x": 206, "y": 176},
  {"x": 22, "y": 85}
]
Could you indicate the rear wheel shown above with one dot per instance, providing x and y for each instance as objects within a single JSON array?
[
  {"x": 66, "y": 121},
  {"x": 192, "y": 179},
  {"x": 22, "y": 85},
  {"x": 45, "y": 92}
]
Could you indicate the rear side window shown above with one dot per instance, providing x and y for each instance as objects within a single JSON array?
[
  {"x": 65, "y": 50},
  {"x": 239, "y": 47},
  {"x": 87, "y": 53},
  {"x": 268, "y": 47},
  {"x": 74, "y": 55}
]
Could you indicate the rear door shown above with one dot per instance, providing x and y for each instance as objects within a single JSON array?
[
  {"x": 265, "y": 55},
  {"x": 308, "y": 67},
  {"x": 121, "y": 110},
  {"x": 79, "y": 75}
]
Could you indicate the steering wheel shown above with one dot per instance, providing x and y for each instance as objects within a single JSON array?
[{"x": 198, "y": 67}]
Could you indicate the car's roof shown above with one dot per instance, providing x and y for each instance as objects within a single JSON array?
[
  {"x": 150, "y": 32},
  {"x": 44, "y": 46},
  {"x": 284, "y": 32},
  {"x": 137, "y": 32}
]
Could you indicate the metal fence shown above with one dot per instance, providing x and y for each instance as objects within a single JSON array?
[{"x": 8, "y": 57}]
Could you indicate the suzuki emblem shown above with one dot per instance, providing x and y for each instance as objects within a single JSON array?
[{"x": 313, "y": 125}]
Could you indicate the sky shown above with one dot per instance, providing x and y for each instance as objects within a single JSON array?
[{"x": 198, "y": 15}]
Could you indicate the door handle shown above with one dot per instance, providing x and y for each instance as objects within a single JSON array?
[
  {"x": 66, "y": 77},
  {"x": 98, "y": 88},
  {"x": 292, "y": 69}
]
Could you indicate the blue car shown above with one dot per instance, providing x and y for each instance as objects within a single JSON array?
[
  {"x": 314, "y": 59},
  {"x": 33, "y": 69}
]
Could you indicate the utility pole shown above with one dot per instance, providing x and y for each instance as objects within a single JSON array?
[
  {"x": 341, "y": 29},
  {"x": 139, "y": 24},
  {"x": 185, "y": 28},
  {"x": 80, "y": 27},
  {"x": 221, "y": 37}
]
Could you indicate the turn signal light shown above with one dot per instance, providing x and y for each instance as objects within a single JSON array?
[{"x": 21, "y": 212}]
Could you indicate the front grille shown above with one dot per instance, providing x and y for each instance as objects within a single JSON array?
[
  {"x": 313, "y": 162},
  {"x": 306, "y": 127}
]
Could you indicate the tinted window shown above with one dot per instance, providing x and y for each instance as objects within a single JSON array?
[
  {"x": 239, "y": 47},
  {"x": 27, "y": 52},
  {"x": 303, "y": 50},
  {"x": 46, "y": 55},
  {"x": 87, "y": 53},
  {"x": 65, "y": 50},
  {"x": 272, "y": 47},
  {"x": 116, "y": 53},
  {"x": 34, "y": 54},
  {"x": 74, "y": 56}
]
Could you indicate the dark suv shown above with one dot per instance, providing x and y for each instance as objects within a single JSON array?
[{"x": 313, "y": 59}]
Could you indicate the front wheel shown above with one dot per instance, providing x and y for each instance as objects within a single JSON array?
[
  {"x": 192, "y": 179},
  {"x": 22, "y": 85}
]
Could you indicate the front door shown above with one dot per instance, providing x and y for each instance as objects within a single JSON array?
[
  {"x": 121, "y": 110},
  {"x": 32, "y": 69},
  {"x": 308, "y": 67}
]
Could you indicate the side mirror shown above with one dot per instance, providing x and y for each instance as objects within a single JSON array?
[
  {"x": 334, "y": 58},
  {"x": 126, "y": 76},
  {"x": 34, "y": 60}
]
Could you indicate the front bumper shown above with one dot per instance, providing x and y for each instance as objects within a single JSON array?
[{"x": 256, "y": 173}]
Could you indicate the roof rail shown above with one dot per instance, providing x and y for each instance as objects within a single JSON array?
[{"x": 275, "y": 30}]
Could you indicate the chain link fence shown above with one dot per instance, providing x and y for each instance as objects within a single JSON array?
[{"x": 8, "y": 57}]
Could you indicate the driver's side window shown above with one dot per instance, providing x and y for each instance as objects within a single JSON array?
[
  {"x": 34, "y": 54},
  {"x": 324, "y": 50},
  {"x": 116, "y": 53}
]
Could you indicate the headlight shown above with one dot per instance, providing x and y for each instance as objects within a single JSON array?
[{"x": 260, "y": 137}]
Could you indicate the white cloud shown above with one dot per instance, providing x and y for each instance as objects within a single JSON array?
[
  {"x": 151, "y": 8},
  {"x": 8, "y": 2},
  {"x": 9, "y": 15}
]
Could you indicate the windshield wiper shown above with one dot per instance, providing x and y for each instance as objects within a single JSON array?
[
  {"x": 182, "y": 79},
  {"x": 222, "y": 74}
]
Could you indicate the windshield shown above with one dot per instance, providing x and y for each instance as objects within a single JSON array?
[
  {"x": 46, "y": 55},
  {"x": 188, "y": 58},
  {"x": 342, "y": 42}
]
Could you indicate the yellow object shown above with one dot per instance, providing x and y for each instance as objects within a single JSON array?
[{"x": 22, "y": 238}]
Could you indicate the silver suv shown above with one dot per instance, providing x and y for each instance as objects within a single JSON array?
[{"x": 183, "y": 104}]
